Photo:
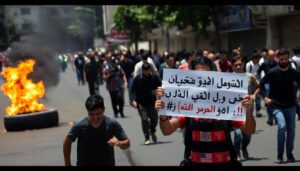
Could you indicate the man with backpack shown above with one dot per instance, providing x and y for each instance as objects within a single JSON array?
[
  {"x": 116, "y": 83},
  {"x": 252, "y": 67}
]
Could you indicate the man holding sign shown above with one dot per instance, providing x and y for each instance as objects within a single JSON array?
[{"x": 209, "y": 105}]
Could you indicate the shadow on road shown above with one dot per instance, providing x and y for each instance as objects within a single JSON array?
[
  {"x": 258, "y": 131},
  {"x": 158, "y": 142},
  {"x": 285, "y": 162},
  {"x": 255, "y": 159},
  {"x": 129, "y": 157}
]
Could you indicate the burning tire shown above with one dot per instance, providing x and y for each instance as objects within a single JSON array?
[{"x": 34, "y": 120}]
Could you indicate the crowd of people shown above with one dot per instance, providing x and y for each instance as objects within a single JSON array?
[{"x": 274, "y": 78}]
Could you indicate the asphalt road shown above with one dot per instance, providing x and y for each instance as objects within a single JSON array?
[{"x": 43, "y": 147}]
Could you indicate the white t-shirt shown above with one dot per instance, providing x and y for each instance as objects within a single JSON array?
[
  {"x": 251, "y": 67},
  {"x": 138, "y": 67}
]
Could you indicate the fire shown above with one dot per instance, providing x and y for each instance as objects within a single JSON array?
[{"x": 22, "y": 92}]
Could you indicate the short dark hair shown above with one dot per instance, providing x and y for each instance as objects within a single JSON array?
[
  {"x": 255, "y": 56},
  {"x": 283, "y": 51},
  {"x": 94, "y": 102},
  {"x": 264, "y": 50},
  {"x": 126, "y": 54},
  {"x": 146, "y": 66},
  {"x": 202, "y": 61},
  {"x": 223, "y": 51},
  {"x": 237, "y": 58},
  {"x": 170, "y": 54},
  {"x": 296, "y": 49}
]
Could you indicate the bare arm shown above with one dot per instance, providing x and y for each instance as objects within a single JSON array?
[
  {"x": 67, "y": 151},
  {"x": 167, "y": 126},
  {"x": 250, "y": 124},
  {"x": 124, "y": 144}
]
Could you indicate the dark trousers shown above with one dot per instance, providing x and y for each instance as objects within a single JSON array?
[
  {"x": 80, "y": 78},
  {"x": 241, "y": 138},
  {"x": 117, "y": 99},
  {"x": 93, "y": 87},
  {"x": 146, "y": 113}
]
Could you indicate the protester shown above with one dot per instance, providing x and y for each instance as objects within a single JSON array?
[
  {"x": 281, "y": 99},
  {"x": 97, "y": 135},
  {"x": 202, "y": 153},
  {"x": 143, "y": 93}
]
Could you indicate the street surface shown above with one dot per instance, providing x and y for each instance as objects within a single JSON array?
[{"x": 44, "y": 147}]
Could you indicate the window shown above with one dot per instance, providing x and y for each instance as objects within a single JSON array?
[
  {"x": 67, "y": 10},
  {"x": 27, "y": 27},
  {"x": 25, "y": 11},
  {"x": 53, "y": 11}
]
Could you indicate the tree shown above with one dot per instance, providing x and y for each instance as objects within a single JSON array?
[
  {"x": 200, "y": 17},
  {"x": 147, "y": 17},
  {"x": 82, "y": 27},
  {"x": 13, "y": 32},
  {"x": 133, "y": 18}
]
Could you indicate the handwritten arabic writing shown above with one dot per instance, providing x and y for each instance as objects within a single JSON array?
[
  {"x": 205, "y": 81},
  {"x": 204, "y": 94}
]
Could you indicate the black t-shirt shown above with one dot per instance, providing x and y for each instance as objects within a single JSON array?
[
  {"x": 142, "y": 89},
  {"x": 282, "y": 86},
  {"x": 128, "y": 67},
  {"x": 92, "y": 70},
  {"x": 79, "y": 62},
  {"x": 92, "y": 147}
]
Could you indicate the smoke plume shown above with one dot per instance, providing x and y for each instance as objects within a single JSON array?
[{"x": 33, "y": 47}]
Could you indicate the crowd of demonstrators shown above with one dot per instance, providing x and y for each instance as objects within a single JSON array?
[{"x": 273, "y": 77}]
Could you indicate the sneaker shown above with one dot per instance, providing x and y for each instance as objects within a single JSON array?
[
  {"x": 291, "y": 158},
  {"x": 154, "y": 138},
  {"x": 122, "y": 115},
  {"x": 258, "y": 115},
  {"x": 147, "y": 142},
  {"x": 245, "y": 154},
  {"x": 280, "y": 158},
  {"x": 238, "y": 157}
]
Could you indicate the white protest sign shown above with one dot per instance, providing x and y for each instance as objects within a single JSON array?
[{"x": 204, "y": 94}]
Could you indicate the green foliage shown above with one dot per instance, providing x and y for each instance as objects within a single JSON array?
[
  {"x": 13, "y": 31},
  {"x": 138, "y": 18}
]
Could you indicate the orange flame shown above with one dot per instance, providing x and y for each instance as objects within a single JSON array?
[{"x": 22, "y": 92}]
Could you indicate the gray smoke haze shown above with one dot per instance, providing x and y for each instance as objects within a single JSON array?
[
  {"x": 53, "y": 37},
  {"x": 47, "y": 65}
]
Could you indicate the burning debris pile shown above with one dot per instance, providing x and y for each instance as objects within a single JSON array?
[{"x": 25, "y": 112}]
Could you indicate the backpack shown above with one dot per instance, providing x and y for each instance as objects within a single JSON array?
[{"x": 292, "y": 61}]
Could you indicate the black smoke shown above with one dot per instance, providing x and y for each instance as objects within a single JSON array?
[{"x": 34, "y": 47}]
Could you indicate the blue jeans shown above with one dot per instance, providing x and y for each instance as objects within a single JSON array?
[
  {"x": 269, "y": 111},
  {"x": 286, "y": 125},
  {"x": 240, "y": 138},
  {"x": 129, "y": 81}
]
